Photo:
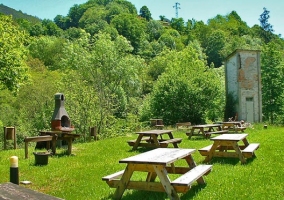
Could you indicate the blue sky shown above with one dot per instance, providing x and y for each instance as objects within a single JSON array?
[{"x": 248, "y": 10}]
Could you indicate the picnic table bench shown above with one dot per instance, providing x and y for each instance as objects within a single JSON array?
[
  {"x": 154, "y": 139},
  {"x": 183, "y": 126},
  {"x": 233, "y": 126},
  {"x": 159, "y": 163},
  {"x": 204, "y": 130},
  {"x": 226, "y": 145}
]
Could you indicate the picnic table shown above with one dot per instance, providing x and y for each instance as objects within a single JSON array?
[
  {"x": 154, "y": 139},
  {"x": 14, "y": 191},
  {"x": 226, "y": 145},
  {"x": 233, "y": 126},
  {"x": 62, "y": 135},
  {"x": 205, "y": 130},
  {"x": 159, "y": 162}
]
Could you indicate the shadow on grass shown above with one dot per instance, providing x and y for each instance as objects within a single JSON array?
[
  {"x": 232, "y": 161},
  {"x": 148, "y": 195}
]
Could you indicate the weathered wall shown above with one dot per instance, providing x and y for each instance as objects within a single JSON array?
[{"x": 244, "y": 82}]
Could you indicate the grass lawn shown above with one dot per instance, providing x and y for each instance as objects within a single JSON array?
[{"x": 79, "y": 176}]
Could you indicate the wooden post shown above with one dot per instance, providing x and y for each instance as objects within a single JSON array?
[{"x": 10, "y": 134}]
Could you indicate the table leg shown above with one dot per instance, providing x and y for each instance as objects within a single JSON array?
[
  {"x": 69, "y": 141},
  {"x": 172, "y": 137},
  {"x": 124, "y": 181},
  {"x": 137, "y": 142},
  {"x": 191, "y": 132},
  {"x": 162, "y": 174},
  {"x": 151, "y": 176},
  {"x": 155, "y": 140},
  {"x": 212, "y": 150},
  {"x": 245, "y": 141},
  {"x": 239, "y": 152}
]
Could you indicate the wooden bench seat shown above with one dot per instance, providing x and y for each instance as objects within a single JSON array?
[
  {"x": 183, "y": 126},
  {"x": 165, "y": 143},
  {"x": 204, "y": 151},
  {"x": 248, "y": 152},
  {"x": 242, "y": 129},
  {"x": 208, "y": 134},
  {"x": 132, "y": 142},
  {"x": 113, "y": 176},
  {"x": 45, "y": 138},
  {"x": 193, "y": 175}
]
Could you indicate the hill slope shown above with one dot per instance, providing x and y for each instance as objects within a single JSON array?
[{"x": 17, "y": 14}]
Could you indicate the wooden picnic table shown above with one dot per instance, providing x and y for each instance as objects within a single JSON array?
[
  {"x": 205, "y": 130},
  {"x": 62, "y": 135},
  {"x": 159, "y": 162},
  {"x": 226, "y": 145},
  {"x": 14, "y": 191},
  {"x": 233, "y": 126},
  {"x": 154, "y": 139}
]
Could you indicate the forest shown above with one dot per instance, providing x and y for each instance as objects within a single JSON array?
[{"x": 118, "y": 67}]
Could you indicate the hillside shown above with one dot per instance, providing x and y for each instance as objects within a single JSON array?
[{"x": 17, "y": 14}]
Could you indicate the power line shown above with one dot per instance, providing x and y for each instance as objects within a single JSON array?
[{"x": 177, "y": 7}]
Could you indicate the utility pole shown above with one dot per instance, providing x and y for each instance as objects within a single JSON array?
[{"x": 176, "y": 6}]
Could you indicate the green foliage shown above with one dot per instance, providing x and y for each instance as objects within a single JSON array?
[
  {"x": 48, "y": 49},
  {"x": 145, "y": 13},
  {"x": 230, "y": 110},
  {"x": 131, "y": 27},
  {"x": 272, "y": 72},
  {"x": 13, "y": 69},
  {"x": 185, "y": 90}
]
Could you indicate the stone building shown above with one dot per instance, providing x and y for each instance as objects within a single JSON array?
[{"x": 243, "y": 83}]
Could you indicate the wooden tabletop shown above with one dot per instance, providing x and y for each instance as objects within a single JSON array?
[
  {"x": 230, "y": 137},
  {"x": 206, "y": 125},
  {"x": 14, "y": 191},
  {"x": 155, "y": 132},
  {"x": 159, "y": 156}
]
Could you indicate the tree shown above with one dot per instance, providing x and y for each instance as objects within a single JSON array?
[
  {"x": 272, "y": 72},
  {"x": 267, "y": 27},
  {"x": 215, "y": 43},
  {"x": 185, "y": 91},
  {"x": 131, "y": 27},
  {"x": 178, "y": 24},
  {"x": 145, "y": 13},
  {"x": 13, "y": 68}
]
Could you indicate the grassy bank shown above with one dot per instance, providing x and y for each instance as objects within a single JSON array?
[{"x": 79, "y": 176}]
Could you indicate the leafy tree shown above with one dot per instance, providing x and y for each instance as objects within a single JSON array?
[
  {"x": 215, "y": 43},
  {"x": 272, "y": 72},
  {"x": 185, "y": 90},
  {"x": 131, "y": 27},
  {"x": 48, "y": 50},
  {"x": 37, "y": 30},
  {"x": 264, "y": 21},
  {"x": 154, "y": 29},
  {"x": 13, "y": 69},
  {"x": 62, "y": 22},
  {"x": 171, "y": 39},
  {"x": 178, "y": 24},
  {"x": 145, "y": 13},
  {"x": 50, "y": 28},
  {"x": 267, "y": 27}
]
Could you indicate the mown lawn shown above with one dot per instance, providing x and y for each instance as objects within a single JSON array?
[{"x": 80, "y": 176}]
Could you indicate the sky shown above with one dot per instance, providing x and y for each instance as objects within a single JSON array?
[{"x": 200, "y": 10}]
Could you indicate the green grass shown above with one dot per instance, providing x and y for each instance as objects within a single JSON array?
[{"x": 80, "y": 176}]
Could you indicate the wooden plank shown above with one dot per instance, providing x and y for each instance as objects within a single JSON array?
[
  {"x": 193, "y": 175},
  {"x": 248, "y": 152},
  {"x": 162, "y": 156},
  {"x": 113, "y": 176}
]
